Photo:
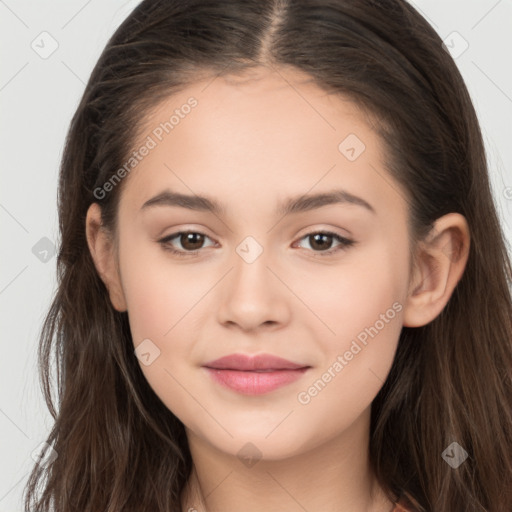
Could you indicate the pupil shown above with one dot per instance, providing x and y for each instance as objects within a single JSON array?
[
  {"x": 320, "y": 235},
  {"x": 189, "y": 239}
]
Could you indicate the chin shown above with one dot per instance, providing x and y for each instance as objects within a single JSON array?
[{"x": 257, "y": 444}]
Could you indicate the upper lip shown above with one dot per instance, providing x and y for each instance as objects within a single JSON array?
[{"x": 245, "y": 362}]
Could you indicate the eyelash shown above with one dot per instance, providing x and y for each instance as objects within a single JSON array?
[{"x": 345, "y": 243}]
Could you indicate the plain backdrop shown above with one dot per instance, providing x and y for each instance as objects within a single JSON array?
[{"x": 48, "y": 50}]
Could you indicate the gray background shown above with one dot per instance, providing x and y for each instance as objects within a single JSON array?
[{"x": 39, "y": 92}]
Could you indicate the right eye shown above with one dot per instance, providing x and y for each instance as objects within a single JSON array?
[{"x": 191, "y": 242}]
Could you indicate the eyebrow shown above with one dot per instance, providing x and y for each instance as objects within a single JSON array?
[{"x": 292, "y": 205}]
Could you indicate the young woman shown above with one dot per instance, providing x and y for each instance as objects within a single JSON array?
[{"x": 282, "y": 280}]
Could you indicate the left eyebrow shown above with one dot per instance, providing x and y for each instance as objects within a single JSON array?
[
  {"x": 311, "y": 202},
  {"x": 292, "y": 205}
]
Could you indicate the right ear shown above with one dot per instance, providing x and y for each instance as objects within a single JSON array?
[{"x": 102, "y": 252}]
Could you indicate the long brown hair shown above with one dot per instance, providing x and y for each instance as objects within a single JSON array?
[{"x": 118, "y": 446}]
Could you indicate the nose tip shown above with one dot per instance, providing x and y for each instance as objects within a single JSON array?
[{"x": 252, "y": 297}]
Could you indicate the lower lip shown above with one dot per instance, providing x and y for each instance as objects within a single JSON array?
[{"x": 255, "y": 383}]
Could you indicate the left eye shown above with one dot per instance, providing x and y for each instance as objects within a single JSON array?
[
  {"x": 192, "y": 241},
  {"x": 322, "y": 239}
]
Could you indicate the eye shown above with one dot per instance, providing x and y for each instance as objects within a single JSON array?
[
  {"x": 323, "y": 239},
  {"x": 192, "y": 241}
]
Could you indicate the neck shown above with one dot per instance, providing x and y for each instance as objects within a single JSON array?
[{"x": 332, "y": 476}]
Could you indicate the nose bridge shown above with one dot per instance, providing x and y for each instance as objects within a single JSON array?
[
  {"x": 252, "y": 295},
  {"x": 251, "y": 275}
]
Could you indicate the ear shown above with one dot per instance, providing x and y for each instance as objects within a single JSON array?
[
  {"x": 102, "y": 251},
  {"x": 439, "y": 265}
]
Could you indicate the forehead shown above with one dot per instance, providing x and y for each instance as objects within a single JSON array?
[{"x": 258, "y": 137}]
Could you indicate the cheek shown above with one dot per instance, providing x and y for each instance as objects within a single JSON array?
[
  {"x": 149, "y": 303},
  {"x": 360, "y": 306},
  {"x": 160, "y": 299},
  {"x": 159, "y": 293},
  {"x": 355, "y": 295},
  {"x": 355, "y": 364}
]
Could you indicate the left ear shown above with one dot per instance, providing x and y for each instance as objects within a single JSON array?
[{"x": 440, "y": 263}]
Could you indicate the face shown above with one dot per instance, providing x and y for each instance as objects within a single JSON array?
[{"x": 320, "y": 284}]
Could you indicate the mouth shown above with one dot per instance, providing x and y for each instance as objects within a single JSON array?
[{"x": 254, "y": 375}]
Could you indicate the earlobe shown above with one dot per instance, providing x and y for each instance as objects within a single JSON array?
[
  {"x": 440, "y": 263},
  {"x": 102, "y": 253}
]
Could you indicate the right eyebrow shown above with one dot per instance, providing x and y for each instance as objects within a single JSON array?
[{"x": 191, "y": 202}]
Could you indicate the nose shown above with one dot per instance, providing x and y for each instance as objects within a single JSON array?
[{"x": 253, "y": 297}]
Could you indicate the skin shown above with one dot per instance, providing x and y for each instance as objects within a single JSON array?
[{"x": 251, "y": 143}]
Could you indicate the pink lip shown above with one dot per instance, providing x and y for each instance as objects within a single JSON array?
[
  {"x": 258, "y": 362},
  {"x": 254, "y": 375}
]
